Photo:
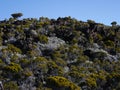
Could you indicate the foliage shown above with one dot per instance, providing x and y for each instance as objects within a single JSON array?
[
  {"x": 80, "y": 53},
  {"x": 43, "y": 39},
  {"x": 58, "y": 81},
  {"x": 13, "y": 67},
  {"x": 91, "y": 82},
  {"x": 16, "y": 15},
  {"x": 11, "y": 86},
  {"x": 13, "y": 48}
]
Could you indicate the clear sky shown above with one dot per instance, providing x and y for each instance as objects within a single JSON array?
[{"x": 103, "y": 11}]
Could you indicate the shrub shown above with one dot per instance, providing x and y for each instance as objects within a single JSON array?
[
  {"x": 14, "y": 58},
  {"x": 60, "y": 62},
  {"x": 109, "y": 43},
  {"x": 13, "y": 48},
  {"x": 13, "y": 67},
  {"x": 24, "y": 62},
  {"x": 27, "y": 72},
  {"x": 1, "y": 64},
  {"x": 43, "y": 38},
  {"x": 54, "y": 69},
  {"x": 11, "y": 86},
  {"x": 61, "y": 82},
  {"x": 91, "y": 82},
  {"x": 117, "y": 49},
  {"x": 16, "y": 15}
]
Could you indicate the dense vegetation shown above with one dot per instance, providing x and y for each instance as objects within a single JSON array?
[{"x": 59, "y": 54}]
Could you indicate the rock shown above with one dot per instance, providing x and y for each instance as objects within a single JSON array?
[
  {"x": 34, "y": 33},
  {"x": 107, "y": 55},
  {"x": 95, "y": 45},
  {"x": 53, "y": 43},
  {"x": 25, "y": 87},
  {"x": 11, "y": 39},
  {"x": 28, "y": 84},
  {"x": 1, "y": 86},
  {"x": 66, "y": 69}
]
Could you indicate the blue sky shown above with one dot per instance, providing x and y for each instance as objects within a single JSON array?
[{"x": 103, "y": 11}]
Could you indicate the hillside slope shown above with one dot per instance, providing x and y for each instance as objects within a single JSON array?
[{"x": 59, "y": 54}]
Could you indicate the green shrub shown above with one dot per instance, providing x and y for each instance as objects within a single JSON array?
[
  {"x": 53, "y": 67},
  {"x": 58, "y": 82},
  {"x": 24, "y": 62},
  {"x": 41, "y": 63},
  {"x": 14, "y": 58},
  {"x": 99, "y": 37},
  {"x": 60, "y": 62},
  {"x": 109, "y": 43},
  {"x": 11, "y": 86},
  {"x": 13, "y": 67},
  {"x": 27, "y": 72},
  {"x": 91, "y": 82},
  {"x": 117, "y": 49},
  {"x": 41, "y": 59},
  {"x": 1, "y": 64},
  {"x": 43, "y": 38},
  {"x": 13, "y": 48}
]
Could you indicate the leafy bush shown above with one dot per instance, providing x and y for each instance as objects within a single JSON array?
[
  {"x": 12, "y": 48},
  {"x": 109, "y": 43},
  {"x": 43, "y": 38},
  {"x": 61, "y": 82},
  {"x": 11, "y": 86},
  {"x": 13, "y": 67},
  {"x": 91, "y": 82}
]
